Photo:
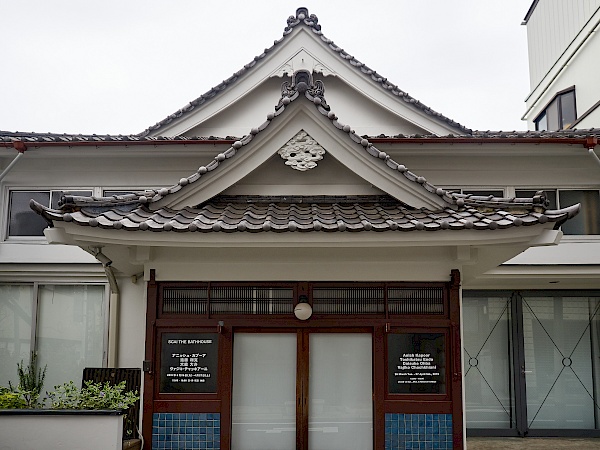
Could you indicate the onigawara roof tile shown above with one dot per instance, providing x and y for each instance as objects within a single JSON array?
[
  {"x": 302, "y": 18},
  {"x": 304, "y": 214}
]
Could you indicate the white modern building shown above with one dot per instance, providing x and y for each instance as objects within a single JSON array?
[
  {"x": 307, "y": 257},
  {"x": 563, "y": 61}
]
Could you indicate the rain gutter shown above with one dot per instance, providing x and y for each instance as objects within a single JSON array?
[
  {"x": 587, "y": 142},
  {"x": 117, "y": 143}
]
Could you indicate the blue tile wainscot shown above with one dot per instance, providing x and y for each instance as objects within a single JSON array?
[
  {"x": 418, "y": 431},
  {"x": 183, "y": 431}
]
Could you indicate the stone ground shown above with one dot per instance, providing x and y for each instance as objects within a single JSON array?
[{"x": 531, "y": 443}]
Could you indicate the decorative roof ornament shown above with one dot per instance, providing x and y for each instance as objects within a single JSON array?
[
  {"x": 302, "y": 152},
  {"x": 302, "y": 83}
]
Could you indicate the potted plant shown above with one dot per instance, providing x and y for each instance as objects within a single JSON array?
[{"x": 68, "y": 417}]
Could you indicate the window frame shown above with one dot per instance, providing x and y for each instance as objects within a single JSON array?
[
  {"x": 35, "y": 308},
  {"x": 556, "y": 101},
  {"x": 557, "y": 191},
  {"x": 6, "y": 213}
]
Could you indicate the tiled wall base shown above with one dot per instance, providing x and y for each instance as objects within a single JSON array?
[
  {"x": 418, "y": 431},
  {"x": 174, "y": 431}
]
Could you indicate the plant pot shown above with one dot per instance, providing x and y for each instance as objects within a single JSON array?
[{"x": 25, "y": 429}]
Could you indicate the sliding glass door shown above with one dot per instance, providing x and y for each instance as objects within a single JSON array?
[
  {"x": 320, "y": 380},
  {"x": 340, "y": 414},
  {"x": 264, "y": 391},
  {"x": 532, "y": 362}
]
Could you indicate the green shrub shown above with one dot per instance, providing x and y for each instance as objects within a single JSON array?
[
  {"x": 11, "y": 400},
  {"x": 92, "y": 396},
  {"x": 31, "y": 382}
]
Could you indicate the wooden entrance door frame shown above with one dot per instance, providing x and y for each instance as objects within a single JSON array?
[{"x": 380, "y": 326}]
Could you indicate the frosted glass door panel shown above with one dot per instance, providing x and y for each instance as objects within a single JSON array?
[
  {"x": 264, "y": 391},
  {"x": 340, "y": 414}
]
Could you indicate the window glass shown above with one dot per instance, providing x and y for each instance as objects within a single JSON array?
[
  {"x": 485, "y": 192},
  {"x": 487, "y": 357},
  {"x": 552, "y": 116},
  {"x": 111, "y": 193},
  {"x": 559, "y": 114},
  {"x": 22, "y": 220},
  {"x": 550, "y": 195},
  {"x": 588, "y": 219},
  {"x": 57, "y": 195},
  {"x": 541, "y": 124},
  {"x": 558, "y": 361},
  {"x": 70, "y": 331},
  {"x": 16, "y": 305},
  {"x": 567, "y": 109}
]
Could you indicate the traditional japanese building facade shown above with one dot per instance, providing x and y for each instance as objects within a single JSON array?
[{"x": 341, "y": 267}]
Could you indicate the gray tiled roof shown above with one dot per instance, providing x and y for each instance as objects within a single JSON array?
[
  {"x": 66, "y": 139},
  {"x": 314, "y": 93},
  {"x": 302, "y": 18},
  {"x": 44, "y": 138},
  {"x": 289, "y": 214}
]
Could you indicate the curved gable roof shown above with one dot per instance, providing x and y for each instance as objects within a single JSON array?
[
  {"x": 302, "y": 18},
  {"x": 152, "y": 210}
]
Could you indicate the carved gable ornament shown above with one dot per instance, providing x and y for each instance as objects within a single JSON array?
[{"x": 302, "y": 152}]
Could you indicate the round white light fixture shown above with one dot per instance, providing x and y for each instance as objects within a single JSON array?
[{"x": 303, "y": 311}]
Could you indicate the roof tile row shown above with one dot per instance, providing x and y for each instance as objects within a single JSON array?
[{"x": 366, "y": 215}]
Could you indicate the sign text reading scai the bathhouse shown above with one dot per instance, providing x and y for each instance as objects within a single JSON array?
[{"x": 189, "y": 363}]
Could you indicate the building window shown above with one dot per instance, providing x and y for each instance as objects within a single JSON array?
[
  {"x": 588, "y": 219},
  {"x": 550, "y": 196},
  {"x": 559, "y": 114},
  {"x": 587, "y": 222},
  {"x": 499, "y": 193},
  {"x": 65, "y": 324},
  {"x": 22, "y": 221}
]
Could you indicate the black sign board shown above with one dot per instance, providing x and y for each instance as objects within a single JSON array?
[
  {"x": 188, "y": 362},
  {"x": 416, "y": 363}
]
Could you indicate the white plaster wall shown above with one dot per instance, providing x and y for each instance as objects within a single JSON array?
[
  {"x": 132, "y": 322},
  {"x": 362, "y": 113},
  {"x": 246, "y": 113},
  {"x": 67, "y": 432},
  {"x": 590, "y": 121}
]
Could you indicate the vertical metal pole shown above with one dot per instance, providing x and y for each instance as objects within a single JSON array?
[
  {"x": 519, "y": 364},
  {"x": 594, "y": 355}
]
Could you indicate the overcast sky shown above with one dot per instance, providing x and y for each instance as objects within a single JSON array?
[{"x": 119, "y": 66}]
